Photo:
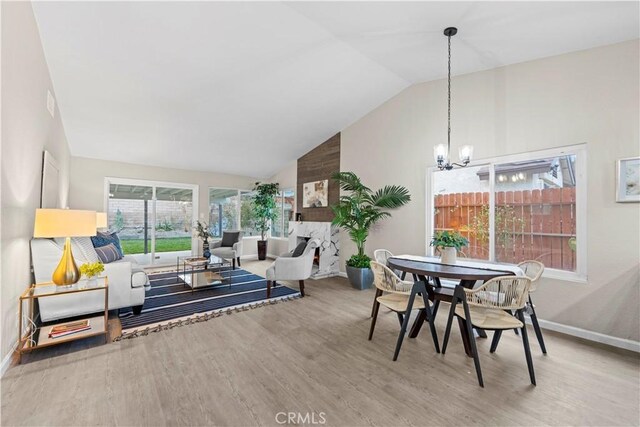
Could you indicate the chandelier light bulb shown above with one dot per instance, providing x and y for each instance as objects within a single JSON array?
[
  {"x": 440, "y": 153},
  {"x": 465, "y": 152}
]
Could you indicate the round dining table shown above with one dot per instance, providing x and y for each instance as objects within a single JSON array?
[{"x": 467, "y": 274}]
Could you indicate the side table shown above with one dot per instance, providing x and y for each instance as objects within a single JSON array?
[{"x": 33, "y": 336}]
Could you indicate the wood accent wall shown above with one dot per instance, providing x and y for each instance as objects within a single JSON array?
[{"x": 317, "y": 165}]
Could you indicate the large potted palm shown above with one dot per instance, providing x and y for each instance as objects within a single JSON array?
[
  {"x": 356, "y": 212},
  {"x": 264, "y": 210}
]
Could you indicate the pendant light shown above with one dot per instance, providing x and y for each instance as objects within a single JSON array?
[{"x": 441, "y": 152}]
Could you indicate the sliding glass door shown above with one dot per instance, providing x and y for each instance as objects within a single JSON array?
[{"x": 153, "y": 220}]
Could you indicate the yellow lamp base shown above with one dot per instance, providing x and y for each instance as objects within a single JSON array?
[{"x": 66, "y": 272}]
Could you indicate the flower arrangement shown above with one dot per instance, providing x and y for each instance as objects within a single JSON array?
[
  {"x": 202, "y": 230},
  {"x": 91, "y": 269}
]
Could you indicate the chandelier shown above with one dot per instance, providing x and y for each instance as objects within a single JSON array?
[{"x": 440, "y": 151}]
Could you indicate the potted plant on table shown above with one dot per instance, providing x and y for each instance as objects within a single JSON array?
[
  {"x": 265, "y": 211},
  {"x": 357, "y": 212},
  {"x": 449, "y": 243},
  {"x": 202, "y": 231}
]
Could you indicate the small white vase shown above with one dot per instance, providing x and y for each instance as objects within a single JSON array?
[{"x": 448, "y": 255}]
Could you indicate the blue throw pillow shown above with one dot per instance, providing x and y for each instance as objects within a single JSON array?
[
  {"x": 103, "y": 239},
  {"x": 108, "y": 253}
]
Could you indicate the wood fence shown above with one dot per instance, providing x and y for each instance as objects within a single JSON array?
[{"x": 530, "y": 224}]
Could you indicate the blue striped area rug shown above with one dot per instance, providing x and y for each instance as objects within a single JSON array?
[{"x": 170, "y": 302}]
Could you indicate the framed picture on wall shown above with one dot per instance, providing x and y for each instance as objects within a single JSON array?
[
  {"x": 49, "y": 191},
  {"x": 315, "y": 194},
  {"x": 628, "y": 180}
]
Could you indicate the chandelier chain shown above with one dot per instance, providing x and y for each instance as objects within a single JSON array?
[{"x": 449, "y": 100}]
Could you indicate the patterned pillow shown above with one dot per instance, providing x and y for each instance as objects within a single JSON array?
[
  {"x": 86, "y": 247},
  {"x": 103, "y": 239},
  {"x": 108, "y": 253}
]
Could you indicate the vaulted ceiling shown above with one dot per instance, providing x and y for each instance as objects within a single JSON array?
[{"x": 246, "y": 87}]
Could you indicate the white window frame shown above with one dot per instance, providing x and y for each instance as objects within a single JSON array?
[
  {"x": 239, "y": 192},
  {"x": 580, "y": 151},
  {"x": 153, "y": 184},
  {"x": 285, "y": 232}
]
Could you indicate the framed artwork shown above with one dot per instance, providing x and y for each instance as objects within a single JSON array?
[
  {"x": 50, "y": 193},
  {"x": 628, "y": 180},
  {"x": 315, "y": 194}
]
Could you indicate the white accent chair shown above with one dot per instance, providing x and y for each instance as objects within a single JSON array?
[
  {"x": 127, "y": 282},
  {"x": 287, "y": 267},
  {"x": 228, "y": 248}
]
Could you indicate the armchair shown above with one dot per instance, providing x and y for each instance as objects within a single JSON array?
[
  {"x": 229, "y": 247},
  {"x": 287, "y": 267}
]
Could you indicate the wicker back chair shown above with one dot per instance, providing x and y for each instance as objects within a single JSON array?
[
  {"x": 382, "y": 256},
  {"x": 533, "y": 270},
  {"x": 400, "y": 296},
  {"x": 496, "y": 305}
]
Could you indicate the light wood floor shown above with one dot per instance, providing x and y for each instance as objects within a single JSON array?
[{"x": 312, "y": 356}]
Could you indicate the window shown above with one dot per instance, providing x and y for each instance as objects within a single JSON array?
[
  {"x": 515, "y": 208},
  {"x": 223, "y": 210},
  {"x": 285, "y": 201},
  {"x": 153, "y": 219},
  {"x": 247, "y": 216},
  {"x": 231, "y": 209}
]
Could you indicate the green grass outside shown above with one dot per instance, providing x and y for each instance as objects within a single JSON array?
[{"x": 136, "y": 246}]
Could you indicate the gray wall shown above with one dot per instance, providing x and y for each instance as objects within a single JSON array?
[
  {"x": 589, "y": 96},
  {"x": 27, "y": 130}
]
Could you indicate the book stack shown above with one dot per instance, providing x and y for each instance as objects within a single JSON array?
[{"x": 69, "y": 328}]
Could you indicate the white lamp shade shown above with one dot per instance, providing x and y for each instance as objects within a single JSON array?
[
  {"x": 101, "y": 220},
  {"x": 465, "y": 152},
  {"x": 64, "y": 223},
  {"x": 440, "y": 152}
]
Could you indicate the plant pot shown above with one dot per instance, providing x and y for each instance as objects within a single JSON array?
[
  {"x": 262, "y": 250},
  {"x": 448, "y": 255},
  {"x": 360, "y": 278},
  {"x": 205, "y": 249}
]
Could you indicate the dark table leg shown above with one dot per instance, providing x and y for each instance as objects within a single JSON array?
[
  {"x": 422, "y": 316},
  {"x": 466, "y": 339}
]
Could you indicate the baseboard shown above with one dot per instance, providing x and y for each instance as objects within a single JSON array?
[
  {"x": 589, "y": 335},
  {"x": 6, "y": 362},
  {"x": 255, "y": 257},
  {"x": 343, "y": 274}
]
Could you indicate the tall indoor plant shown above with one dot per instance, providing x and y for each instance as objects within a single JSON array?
[
  {"x": 264, "y": 209},
  {"x": 356, "y": 212}
]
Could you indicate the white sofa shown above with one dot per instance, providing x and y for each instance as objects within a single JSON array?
[{"x": 127, "y": 281}]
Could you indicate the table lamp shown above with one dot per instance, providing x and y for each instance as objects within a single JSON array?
[
  {"x": 101, "y": 220},
  {"x": 65, "y": 223}
]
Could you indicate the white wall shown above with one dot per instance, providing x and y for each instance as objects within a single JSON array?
[
  {"x": 27, "y": 130},
  {"x": 287, "y": 177},
  {"x": 87, "y": 184},
  {"x": 589, "y": 96}
]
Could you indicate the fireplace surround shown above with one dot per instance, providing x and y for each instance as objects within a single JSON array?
[{"x": 328, "y": 252}]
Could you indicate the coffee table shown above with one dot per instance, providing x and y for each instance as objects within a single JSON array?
[{"x": 199, "y": 272}]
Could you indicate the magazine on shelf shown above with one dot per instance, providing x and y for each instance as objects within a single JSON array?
[{"x": 69, "y": 328}]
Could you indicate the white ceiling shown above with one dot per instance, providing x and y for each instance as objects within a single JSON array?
[{"x": 247, "y": 87}]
